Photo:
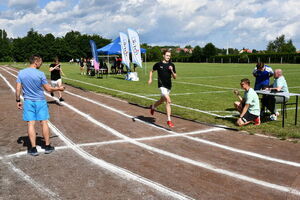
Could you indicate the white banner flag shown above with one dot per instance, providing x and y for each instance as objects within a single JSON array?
[
  {"x": 125, "y": 49},
  {"x": 135, "y": 47}
]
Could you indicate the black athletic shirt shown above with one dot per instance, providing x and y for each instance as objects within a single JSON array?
[
  {"x": 55, "y": 74},
  {"x": 164, "y": 74}
]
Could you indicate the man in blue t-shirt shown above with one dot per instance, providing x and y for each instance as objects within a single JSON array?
[
  {"x": 262, "y": 73},
  {"x": 33, "y": 82}
]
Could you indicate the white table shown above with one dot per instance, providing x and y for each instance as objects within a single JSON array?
[{"x": 284, "y": 95}]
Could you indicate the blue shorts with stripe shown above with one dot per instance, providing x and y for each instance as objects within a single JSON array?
[{"x": 35, "y": 110}]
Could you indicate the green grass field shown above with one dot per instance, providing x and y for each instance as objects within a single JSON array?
[{"x": 206, "y": 87}]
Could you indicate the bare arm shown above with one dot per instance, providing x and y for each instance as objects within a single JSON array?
[
  {"x": 277, "y": 88},
  {"x": 237, "y": 93},
  {"x": 18, "y": 94},
  {"x": 53, "y": 68},
  {"x": 150, "y": 77},
  {"x": 61, "y": 72},
  {"x": 244, "y": 110},
  {"x": 173, "y": 74},
  {"x": 48, "y": 88}
]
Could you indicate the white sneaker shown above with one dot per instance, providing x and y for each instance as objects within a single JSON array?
[{"x": 273, "y": 117}]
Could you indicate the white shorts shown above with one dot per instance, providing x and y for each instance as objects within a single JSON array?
[
  {"x": 164, "y": 91},
  {"x": 56, "y": 83}
]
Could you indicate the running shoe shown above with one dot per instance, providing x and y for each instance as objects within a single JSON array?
[
  {"x": 61, "y": 99},
  {"x": 33, "y": 151},
  {"x": 170, "y": 124},
  {"x": 49, "y": 149},
  {"x": 273, "y": 117},
  {"x": 151, "y": 109},
  {"x": 257, "y": 121},
  {"x": 52, "y": 94}
]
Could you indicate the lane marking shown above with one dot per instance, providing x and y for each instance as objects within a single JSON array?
[
  {"x": 184, "y": 159},
  {"x": 252, "y": 154},
  {"x": 207, "y": 142},
  {"x": 188, "y": 93},
  {"x": 21, "y": 153},
  {"x": 125, "y": 174},
  {"x": 205, "y": 77},
  {"x": 41, "y": 188},
  {"x": 199, "y": 84}
]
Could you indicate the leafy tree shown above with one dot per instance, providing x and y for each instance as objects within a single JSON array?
[
  {"x": 279, "y": 45},
  {"x": 209, "y": 50},
  {"x": 154, "y": 54},
  {"x": 197, "y": 54},
  {"x": 5, "y": 47}
]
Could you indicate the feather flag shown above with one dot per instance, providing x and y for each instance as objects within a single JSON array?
[
  {"x": 125, "y": 49},
  {"x": 135, "y": 47},
  {"x": 95, "y": 54}
]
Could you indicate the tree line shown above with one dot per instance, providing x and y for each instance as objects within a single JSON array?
[
  {"x": 71, "y": 46},
  {"x": 76, "y": 45}
]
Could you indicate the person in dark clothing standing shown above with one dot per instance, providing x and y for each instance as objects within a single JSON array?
[
  {"x": 56, "y": 73},
  {"x": 165, "y": 70}
]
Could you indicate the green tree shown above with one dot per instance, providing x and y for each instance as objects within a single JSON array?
[
  {"x": 5, "y": 47},
  {"x": 209, "y": 50},
  {"x": 279, "y": 45},
  {"x": 197, "y": 54},
  {"x": 288, "y": 47},
  {"x": 154, "y": 54}
]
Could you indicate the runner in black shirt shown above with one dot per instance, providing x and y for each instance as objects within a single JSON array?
[
  {"x": 165, "y": 70},
  {"x": 56, "y": 73}
]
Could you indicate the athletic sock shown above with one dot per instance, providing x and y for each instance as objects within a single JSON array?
[{"x": 169, "y": 118}]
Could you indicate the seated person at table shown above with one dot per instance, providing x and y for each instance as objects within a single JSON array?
[
  {"x": 262, "y": 73},
  {"x": 248, "y": 106},
  {"x": 270, "y": 101}
]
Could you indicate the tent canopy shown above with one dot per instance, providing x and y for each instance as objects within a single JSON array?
[{"x": 114, "y": 48}]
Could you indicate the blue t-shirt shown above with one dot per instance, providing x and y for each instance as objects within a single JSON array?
[
  {"x": 32, "y": 81},
  {"x": 262, "y": 77}
]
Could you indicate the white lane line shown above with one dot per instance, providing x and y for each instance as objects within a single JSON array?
[
  {"x": 144, "y": 97},
  {"x": 41, "y": 188},
  {"x": 206, "y": 77},
  {"x": 188, "y": 93},
  {"x": 125, "y": 174},
  {"x": 184, "y": 159},
  {"x": 118, "y": 111},
  {"x": 18, "y": 154},
  {"x": 199, "y": 84},
  {"x": 248, "y": 153}
]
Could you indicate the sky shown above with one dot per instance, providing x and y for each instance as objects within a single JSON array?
[{"x": 226, "y": 23}]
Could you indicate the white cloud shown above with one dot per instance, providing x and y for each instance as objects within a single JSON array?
[
  {"x": 248, "y": 24},
  {"x": 56, "y": 6}
]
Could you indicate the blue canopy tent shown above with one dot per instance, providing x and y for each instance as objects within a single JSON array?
[{"x": 113, "y": 48}]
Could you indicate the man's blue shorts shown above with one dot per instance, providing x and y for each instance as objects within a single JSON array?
[{"x": 35, "y": 110}]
